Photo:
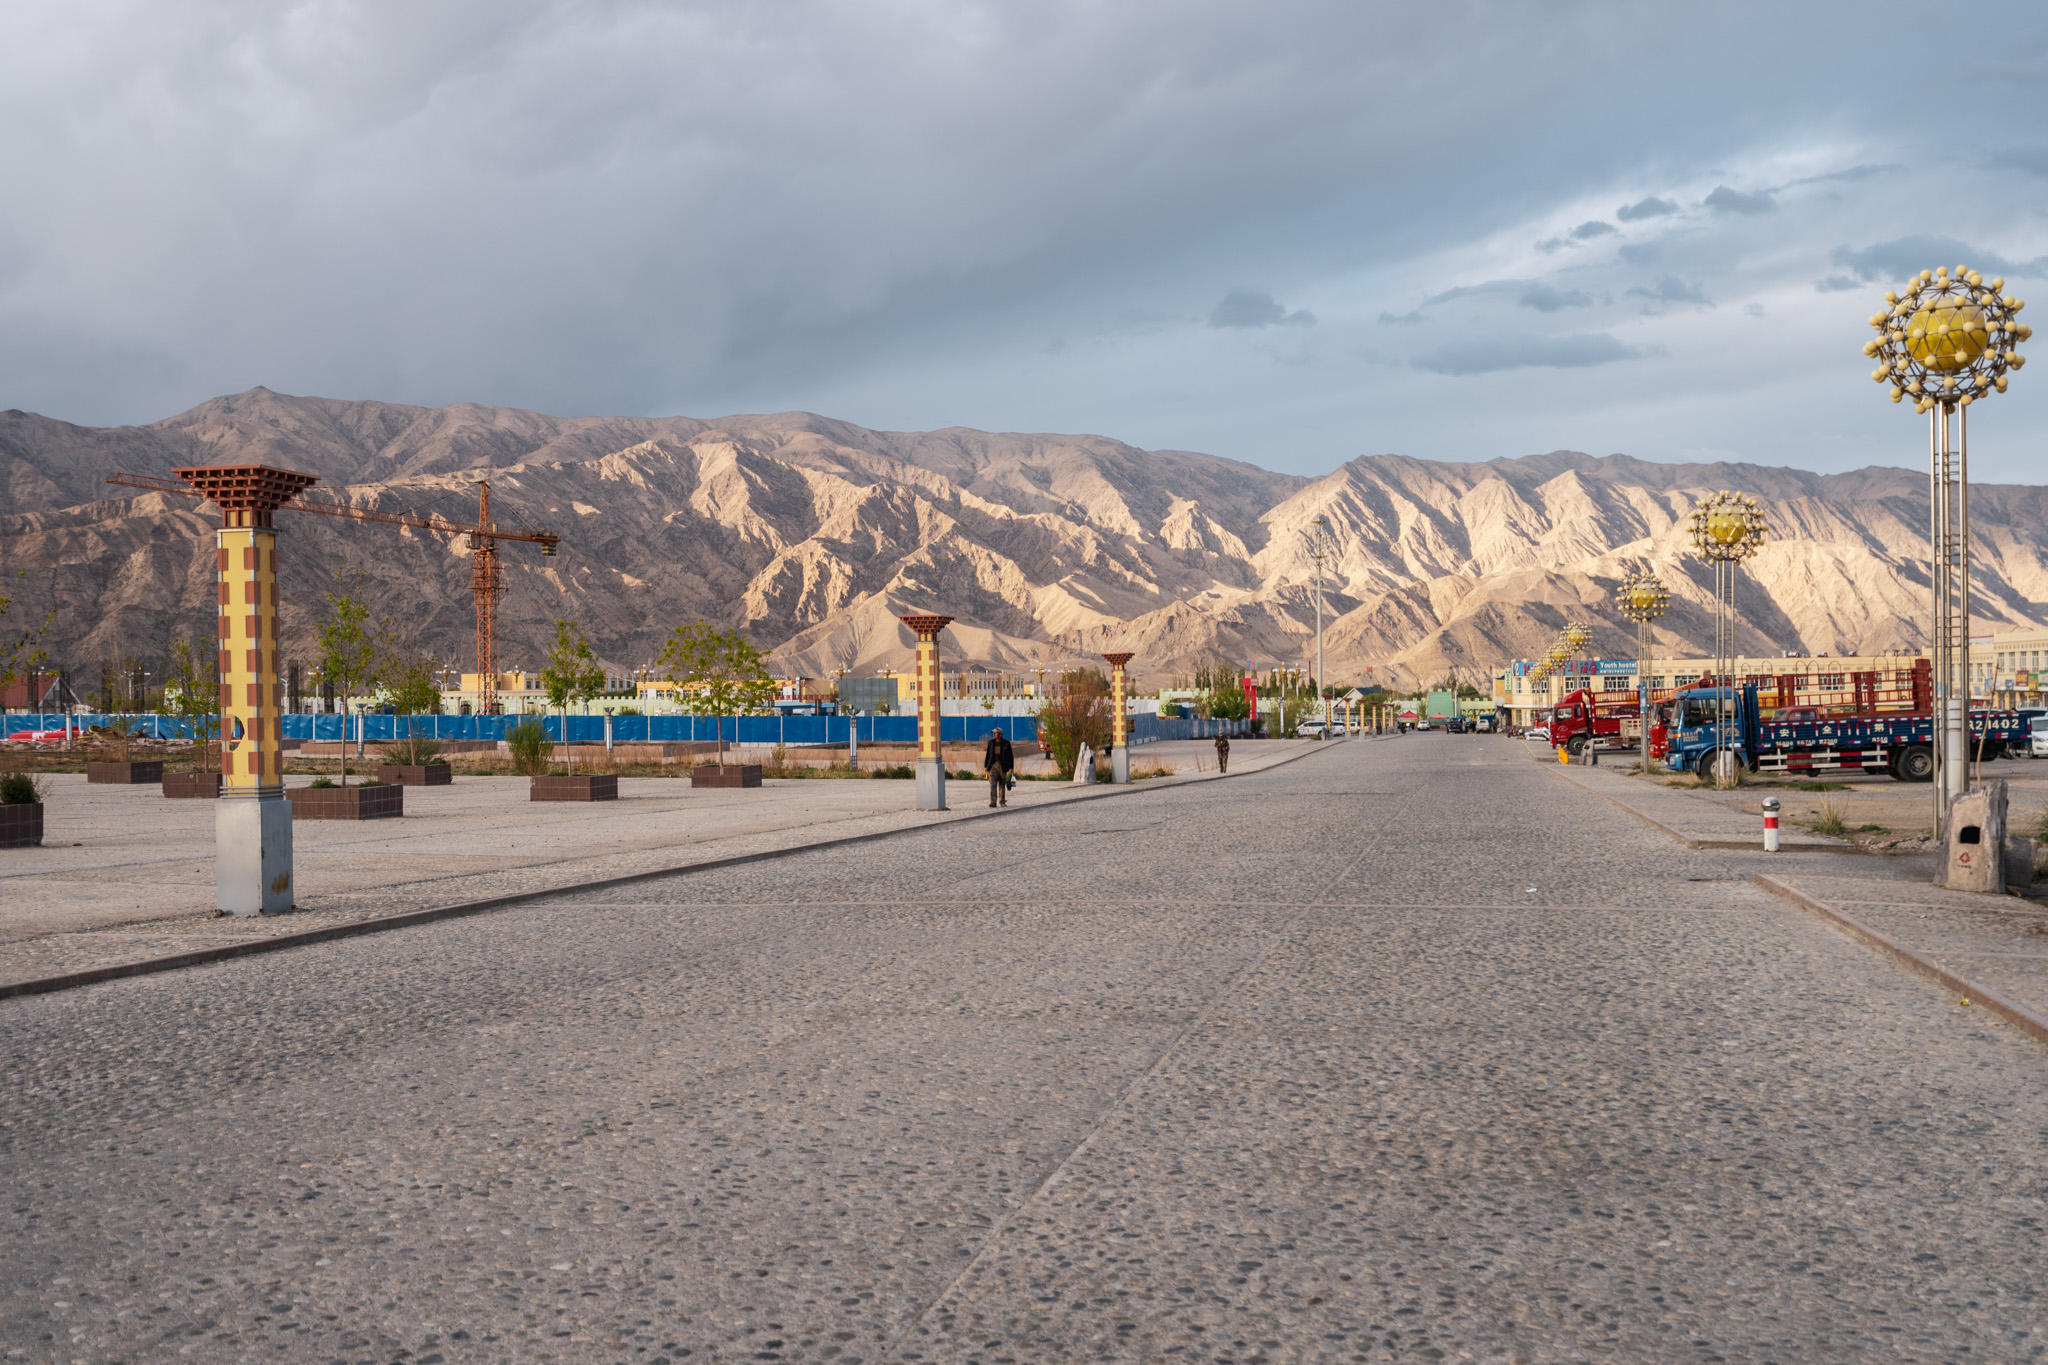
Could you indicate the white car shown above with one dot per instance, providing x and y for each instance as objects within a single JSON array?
[
  {"x": 1537, "y": 732},
  {"x": 2037, "y": 738},
  {"x": 1308, "y": 729}
]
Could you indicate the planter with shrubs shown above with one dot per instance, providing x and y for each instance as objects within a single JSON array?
[
  {"x": 415, "y": 763},
  {"x": 726, "y": 775},
  {"x": 581, "y": 787},
  {"x": 325, "y": 801},
  {"x": 21, "y": 811}
]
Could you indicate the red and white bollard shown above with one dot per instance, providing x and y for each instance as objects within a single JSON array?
[{"x": 1770, "y": 824}]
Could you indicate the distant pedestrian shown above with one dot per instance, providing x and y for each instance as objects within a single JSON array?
[
  {"x": 999, "y": 759},
  {"x": 1222, "y": 754}
]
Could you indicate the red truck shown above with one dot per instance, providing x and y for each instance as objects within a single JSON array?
[{"x": 1606, "y": 720}]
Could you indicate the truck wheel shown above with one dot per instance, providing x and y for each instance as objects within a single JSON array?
[
  {"x": 1575, "y": 746},
  {"x": 1915, "y": 763}
]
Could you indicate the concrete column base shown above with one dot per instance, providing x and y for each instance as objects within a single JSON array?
[
  {"x": 252, "y": 858},
  {"x": 931, "y": 784},
  {"x": 1120, "y": 764},
  {"x": 1974, "y": 851}
]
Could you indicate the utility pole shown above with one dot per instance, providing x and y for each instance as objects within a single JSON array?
[{"x": 1322, "y": 683}]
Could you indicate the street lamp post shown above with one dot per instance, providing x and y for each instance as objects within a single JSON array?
[
  {"x": 1727, "y": 528},
  {"x": 1947, "y": 340},
  {"x": 1643, "y": 599}
]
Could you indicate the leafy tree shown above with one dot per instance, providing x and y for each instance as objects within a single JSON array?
[
  {"x": 349, "y": 652},
  {"x": 413, "y": 690},
  {"x": 1227, "y": 703},
  {"x": 1077, "y": 715},
  {"x": 195, "y": 674},
  {"x": 572, "y": 674},
  {"x": 717, "y": 673}
]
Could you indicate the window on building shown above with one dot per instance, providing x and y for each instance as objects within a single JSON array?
[
  {"x": 1833, "y": 682},
  {"x": 1620, "y": 683}
]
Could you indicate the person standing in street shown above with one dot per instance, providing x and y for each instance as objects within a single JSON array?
[
  {"x": 999, "y": 759},
  {"x": 1222, "y": 753}
]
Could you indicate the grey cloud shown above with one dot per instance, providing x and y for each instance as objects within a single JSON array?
[
  {"x": 1670, "y": 289},
  {"x": 1484, "y": 355},
  {"x": 1466, "y": 291},
  {"x": 1408, "y": 319},
  {"x": 1725, "y": 200},
  {"x": 1836, "y": 284},
  {"x": 2032, "y": 160},
  {"x": 1851, "y": 174},
  {"x": 1255, "y": 308},
  {"x": 1545, "y": 299},
  {"x": 1639, "y": 253},
  {"x": 1585, "y": 232},
  {"x": 1652, "y": 207},
  {"x": 1906, "y": 256}
]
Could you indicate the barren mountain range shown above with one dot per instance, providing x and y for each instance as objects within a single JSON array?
[{"x": 814, "y": 534}]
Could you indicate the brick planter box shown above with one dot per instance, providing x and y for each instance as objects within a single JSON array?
[
  {"x": 139, "y": 773},
  {"x": 205, "y": 785},
  {"x": 346, "y": 803},
  {"x": 416, "y": 774},
  {"x": 21, "y": 826},
  {"x": 583, "y": 787},
  {"x": 730, "y": 775}
]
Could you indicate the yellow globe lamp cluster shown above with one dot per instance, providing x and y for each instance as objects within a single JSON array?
[
  {"x": 1728, "y": 526},
  {"x": 1643, "y": 597},
  {"x": 1947, "y": 338}
]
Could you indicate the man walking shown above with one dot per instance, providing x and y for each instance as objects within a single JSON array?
[
  {"x": 1222, "y": 753},
  {"x": 999, "y": 759}
]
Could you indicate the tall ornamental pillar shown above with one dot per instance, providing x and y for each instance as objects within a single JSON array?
[
  {"x": 253, "y": 823},
  {"x": 931, "y": 763},
  {"x": 1119, "y": 724}
]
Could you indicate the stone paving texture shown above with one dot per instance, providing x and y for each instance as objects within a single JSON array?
[
  {"x": 1403, "y": 1051},
  {"x": 126, "y": 874}
]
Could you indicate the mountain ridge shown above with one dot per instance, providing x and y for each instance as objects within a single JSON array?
[{"x": 813, "y": 533}]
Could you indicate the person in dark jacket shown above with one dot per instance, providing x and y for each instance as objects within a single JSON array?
[
  {"x": 999, "y": 759},
  {"x": 1222, "y": 753}
]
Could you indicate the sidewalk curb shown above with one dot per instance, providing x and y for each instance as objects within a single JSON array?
[
  {"x": 199, "y": 957},
  {"x": 1755, "y": 845},
  {"x": 2019, "y": 1016}
]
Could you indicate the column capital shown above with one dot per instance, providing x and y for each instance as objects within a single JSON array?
[
  {"x": 1119, "y": 660},
  {"x": 927, "y": 627},
  {"x": 246, "y": 493}
]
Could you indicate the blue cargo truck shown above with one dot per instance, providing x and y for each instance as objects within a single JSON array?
[{"x": 1806, "y": 739}]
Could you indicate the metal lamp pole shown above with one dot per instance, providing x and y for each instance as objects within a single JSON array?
[
  {"x": 1948, "y": 339},
  {"x": 1643, "y": 599},
  {"x": 1727, "y": 528}
]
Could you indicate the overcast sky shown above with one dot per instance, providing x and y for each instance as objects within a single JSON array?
[{"x": 1285, "y": 232}]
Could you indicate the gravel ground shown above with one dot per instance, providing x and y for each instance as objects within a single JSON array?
[{"x": 1405, "y": 1050}]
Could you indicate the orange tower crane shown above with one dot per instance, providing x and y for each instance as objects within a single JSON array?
[{"x": 484, "y": 581}]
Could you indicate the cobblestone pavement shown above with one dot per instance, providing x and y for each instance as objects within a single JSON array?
[
  {"x": 1404, "y": 1051},
  {"x": 129, "y": 875}
]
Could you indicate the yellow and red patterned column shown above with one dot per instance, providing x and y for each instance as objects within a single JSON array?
[
  {"x": 253, "y": 826},
  {"x": 251, "y": 696},
  {"x": 931, "y": 770},
  {"x": 1119, "y": 723}
]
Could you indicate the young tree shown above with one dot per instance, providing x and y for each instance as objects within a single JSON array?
[
  {"x": 716, "y": 673},
  {"x": 349, "y": 651},
  {"x": 21, "y": 648},
  {"x": 195, "y": 674},
  {"x": 572, "y": 674},
  {"x": 409, "y": 680}
]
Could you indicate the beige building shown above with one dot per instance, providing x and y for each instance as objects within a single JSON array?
[{"x": 2011, "y": 668}]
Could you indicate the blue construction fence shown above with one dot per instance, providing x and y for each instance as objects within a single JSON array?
[{"x": 798, "y": 730}]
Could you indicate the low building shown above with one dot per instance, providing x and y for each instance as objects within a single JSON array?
[{"x": 2011, "y": 668}]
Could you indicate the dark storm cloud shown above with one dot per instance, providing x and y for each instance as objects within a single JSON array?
[
  {"x": 884, "y": 211},
  {"x": 1255, "y": 308},
  {"x": 1545, "y": 299},
  {"x": 1484, "y": 355},
  {"x": 1652, "y": 207},
  {"x": 1725, "y": 200}
]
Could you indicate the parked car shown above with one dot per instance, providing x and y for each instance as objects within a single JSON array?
[
  {"x": 2037, "y": 737},
  {"x": 1308, "y": 729},
  {"x": 1541, "y": 733}
]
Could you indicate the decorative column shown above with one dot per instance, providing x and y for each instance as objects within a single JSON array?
[
  {"x": 931, "y": 763},
  {"x": 253, "y": 824},
  {"x": 1119, "y": 725}
]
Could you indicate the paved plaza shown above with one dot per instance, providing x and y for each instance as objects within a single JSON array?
[{"x": 1404, "y": 1050}]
